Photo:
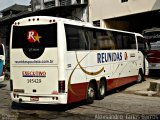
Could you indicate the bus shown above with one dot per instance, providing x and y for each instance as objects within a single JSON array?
[
  {"x": 2, "y": 62},
  {"x": 152, "y": 47},
  {"x": 59, "y": 61}
]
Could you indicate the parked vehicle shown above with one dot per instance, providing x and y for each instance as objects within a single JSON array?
[
  {"x": 152, "y": 47},
  {"x": 2, "y": 62},
  {"x": 60, "y": 61}
]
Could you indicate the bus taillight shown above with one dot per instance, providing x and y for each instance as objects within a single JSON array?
[{"x": 61, "y": 85}]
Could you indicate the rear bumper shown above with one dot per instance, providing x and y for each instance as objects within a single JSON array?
[{"x": 42, "y": 99}]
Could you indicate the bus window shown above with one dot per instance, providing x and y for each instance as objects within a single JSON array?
[
  {"x": 105, "y": 40},
  {"x": 141, "y": 44},
  {"x": 152, "y": 42},
  {"x": 75, "y": 37},
  {"x": 124, "y": 40},
  {"x": 21, "y": 36},
  {"x": 33, "y": 39}
]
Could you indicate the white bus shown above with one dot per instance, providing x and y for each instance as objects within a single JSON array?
[
  {"x": 152, "y": 47},
  {"x": 60, "y": 61},
  {"x": 2, "y": 62}
]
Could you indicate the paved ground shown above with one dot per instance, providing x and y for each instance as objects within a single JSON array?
[
  {"x": 143, "y": 88},
  {"x": 125, "y": 105}
]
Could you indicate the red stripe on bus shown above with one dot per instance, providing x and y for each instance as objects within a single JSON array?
[
  {"x": 80, "y": 89},
  {"x": 117, "y": 82},
  {"x": 79, "y": 94}
]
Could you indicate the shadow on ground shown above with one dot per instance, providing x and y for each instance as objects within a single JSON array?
[
  {"x": 2, "y": 85},
  {"x": 48, "y": 112},
  {"x": 47, "y": 107}
]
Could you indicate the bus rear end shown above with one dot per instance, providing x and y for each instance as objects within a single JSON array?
[
  {"x": 34, "y": 62},
  {"x": 152, "y": 42}
]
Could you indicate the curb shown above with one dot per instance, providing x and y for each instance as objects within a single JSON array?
[{"x": 144, "y": 93}]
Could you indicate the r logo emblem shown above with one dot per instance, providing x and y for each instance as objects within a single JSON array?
[{"x": 33, "y": 36}]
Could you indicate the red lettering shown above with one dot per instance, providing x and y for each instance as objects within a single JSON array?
[{"x": 33, "y": 73}]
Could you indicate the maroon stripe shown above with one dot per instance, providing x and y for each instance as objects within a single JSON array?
[{"x": 80, "y": 89}]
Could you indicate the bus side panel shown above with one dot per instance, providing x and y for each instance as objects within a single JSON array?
[
  {"x": 117, "y": 82},
  {"x": 126, "y": 80},
  {"x": 76, "y": 78},
  {"x": 125, "y": 71},
  {"x": 77, "y": 93},
  {"x": 111, "y": 84},
  {"x": 77, "y": 86}
]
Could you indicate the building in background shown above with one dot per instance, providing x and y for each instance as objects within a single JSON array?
[
  {"x": 5, "y": 23},
  {"x": 131, "y": 15},
  {"x": 73, "y": 9}
]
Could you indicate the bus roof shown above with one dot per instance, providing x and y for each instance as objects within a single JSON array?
[{"x": 51, "y": 19}]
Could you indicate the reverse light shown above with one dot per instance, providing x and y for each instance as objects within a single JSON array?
[{"x": 61, "y": 86}]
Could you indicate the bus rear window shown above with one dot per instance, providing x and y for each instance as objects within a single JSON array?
[{"x": 34, "y": 36}]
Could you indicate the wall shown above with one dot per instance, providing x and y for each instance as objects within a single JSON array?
[{"x": 105, "y": 9}]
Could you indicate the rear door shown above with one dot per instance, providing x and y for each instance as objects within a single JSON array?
[{"x": 34, "y": 65}]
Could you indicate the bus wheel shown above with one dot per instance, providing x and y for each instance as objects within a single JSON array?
[
  {"x": 102, "y": 90},
  {"x": 90, "y": 93},
  {"x": 140, "y": 76}
]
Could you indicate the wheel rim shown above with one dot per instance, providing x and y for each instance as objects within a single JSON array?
[
  {"x": 139, "y": 77},
  {"x": 102, "y": 89},
  {"x": 90, "y": 92}
]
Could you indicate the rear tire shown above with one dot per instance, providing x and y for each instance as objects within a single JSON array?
[
  {"x": 90, "y": 93},
  {"x": 101, "y": 90}
]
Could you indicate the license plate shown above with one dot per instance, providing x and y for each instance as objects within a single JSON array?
[{"x": 34, "y": 98}]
